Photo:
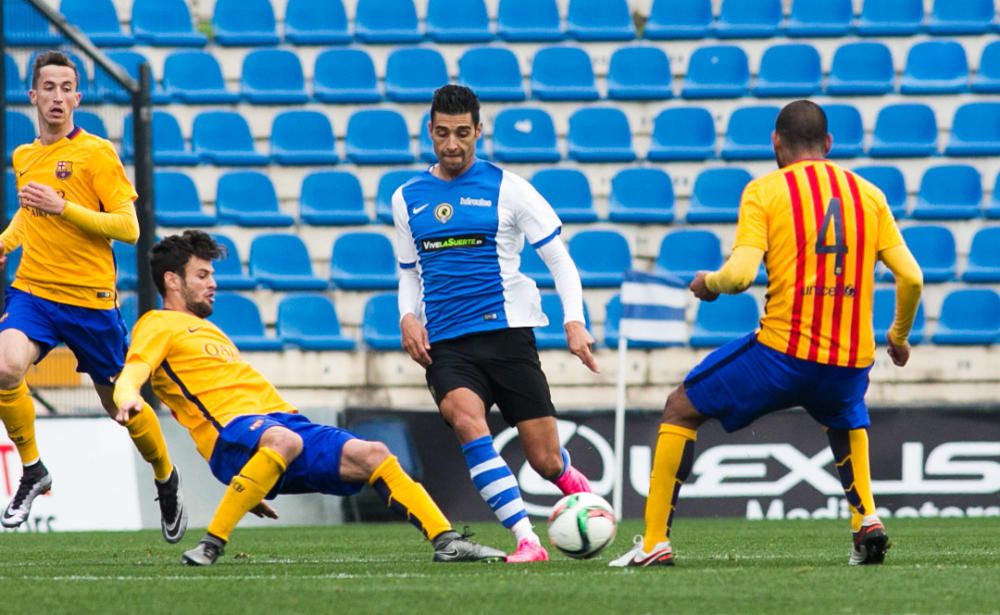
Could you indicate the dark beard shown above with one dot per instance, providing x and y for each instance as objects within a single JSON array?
[{"x": 201, "y": 310}]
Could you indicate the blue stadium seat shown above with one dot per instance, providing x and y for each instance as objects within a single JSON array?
[
  {"x": 109, "y": 90},
  {"x": 984, "y": 256},
  {"x": 413, "y": 73},
  {"x": 612, "y": 321},
  {"x": 125, "y": 264},
  {"x": 890, "y": 17},
  {"x": 279, "y": 261},
  {"x": 600, "y": 20},
  {"x": 308, "y": 22},
  {"x": 15, "y": 91},
  {"x": 332, "y": 198},
  {"x": 310, "y": 322},
  {"x": 229, "y": 274},
  {"x": 717, "y": 71},
  {"x": 602, "y": 256},
  {"x": 987, "y": 78},
  {"x": 169, "y": 147},
  {"x": 378, "y": 136},
  {"x": 600, "y": 134},
  {"x": 742, "y": 19},
  {"x": 728, "y": 318},
  {"x": 18, "y": 130},
  {"x": 683, "y": 133},
  {"x": 975, "y": 130},
  {"x": 969, "y": 316},
  {"x": 568, "y": 191},
  {"x": 380, "y": 323},
  {"x": 387, "y": 185},
  {"x": 223, "y": 138},
  {"x": 844, "y": 124},
  {"x": 493, "y": 73},
  {"x": 303, "y": 137},
  {"x": 949, "y": 192},
  {"x": 91, "y": 122},
  {"x": 992, "y": 210},
  {"x": 98, "y": 19},
  {"x": 884, "y": 312},
  {"x": 195, "y": 77},
  {"x": 748, "y": 135},
  {"x": 458, "y": 21},
  {"x": 524, "y": 134},
  {"x": 164, "y": 23},
  {"x": 935, "y": 67},
  {"x": 904, "y": 130},
  {"x": 934, "y": 248},
  {"x": 685, "y": 252},
  {"x": 535, "y": 268},
  {"x": 949, "y": 17},
  {"x": 670, "y": 19},
  {"x": 273, "y": 77},
  {"x": 553, "y": 336},
  {"x": 345, "y": 76},
  {"x": 716, "y": 195},
  {"x": 247, "y": 198},
  {"x": 791, "y": 69},
  {"x": 363, "y": 261},
  {"x": 563, "y": 73},
  {"x": 176, "y": 201},
  {"x": 890, "y": 180},
  {"x": 641, "y": 196},
  {"x": 386, "y": 21},
  {"x": 814, "y": 18},
  {"x": 239, "y": 319},
  {"x": 244, "y": 23},
  {"x": 861, "y": 69},
  {"x": 529, "y": 20},
  {"x": 24, "y": 26},
  {"x": 639, "y": 73}
]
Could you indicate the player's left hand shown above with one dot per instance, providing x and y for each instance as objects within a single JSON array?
[
  {"x": 262, "y": 510},
  {"x": 42, "y": 197},
  {"x": 580, "y": 341},
  {"x": 700, "y": 288},
  {"x": 127, "y": 410}
]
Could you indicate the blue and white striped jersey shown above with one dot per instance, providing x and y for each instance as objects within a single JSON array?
[{"x": 464, "y": 237}]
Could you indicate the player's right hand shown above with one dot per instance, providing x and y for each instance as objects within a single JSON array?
[
  {"x": 264, "y": 511},
  {"x": 700, "y": 288},
  {"x": 415, "y": 340},
  {"x": 899, "y": 353},
  {"x": 127, "y": 410}
]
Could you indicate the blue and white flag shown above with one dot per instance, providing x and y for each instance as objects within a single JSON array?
[{"x": 653, "y": 307}]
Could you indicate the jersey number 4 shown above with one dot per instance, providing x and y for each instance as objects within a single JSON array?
[{"x": 838, "y": 247}]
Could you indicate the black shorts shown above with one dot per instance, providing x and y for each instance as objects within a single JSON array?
[{"x": 502, "y": 367}]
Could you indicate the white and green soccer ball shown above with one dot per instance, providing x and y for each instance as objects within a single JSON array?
[{"x": 581, "y": 525}]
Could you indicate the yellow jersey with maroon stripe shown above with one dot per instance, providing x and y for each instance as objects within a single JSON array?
[
  {"x": 60, "y": 261},
  {"x": 199, "y": 374},
  {"x": 821, "y": 228}
]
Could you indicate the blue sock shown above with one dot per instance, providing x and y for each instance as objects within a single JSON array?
[
  {"x": 494, "y": 480},
  {"x": 566, "y": 461}
]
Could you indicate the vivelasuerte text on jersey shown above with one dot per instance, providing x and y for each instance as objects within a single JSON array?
[{"x": 464, "y": 237}]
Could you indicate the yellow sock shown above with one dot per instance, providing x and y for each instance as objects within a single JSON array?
[
  {"x": 850, "y": 455},
  {"x": 671, "y": 466},
  {"x": 246, "y": 490},
  {"x": 144, "y": 429},
  {"x": 408, "y": 498},
  {"x": 862, "y": 471},
  {"x": 856, "y": 520},
  {"x": 17, "y": 410}
]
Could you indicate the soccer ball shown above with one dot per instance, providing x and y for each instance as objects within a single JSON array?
[{"x": 581, "y": 525}]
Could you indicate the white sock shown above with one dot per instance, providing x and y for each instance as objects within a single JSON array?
[{"x": 522, "y": 529}]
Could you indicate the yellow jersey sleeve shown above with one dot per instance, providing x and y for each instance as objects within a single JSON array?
[
  {"x": 12, "y": 236},
  {"x": 751, "y": 226},
  {"x": 888, "y": 232},
  {"x": 151, "y": 340}
]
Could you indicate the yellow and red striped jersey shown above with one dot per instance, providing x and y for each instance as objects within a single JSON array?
[
  {"x": 821, "y": 228},
  {"x": 60, "y": 261},
  {"x": 199, "y": 374}
]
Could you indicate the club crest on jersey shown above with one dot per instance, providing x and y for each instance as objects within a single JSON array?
[
  {"x": 64, "y": 169},
  {"x": 443, "y": 212}
]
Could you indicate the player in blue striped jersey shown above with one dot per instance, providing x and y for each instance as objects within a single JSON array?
[{"x": 468, "y": 312}]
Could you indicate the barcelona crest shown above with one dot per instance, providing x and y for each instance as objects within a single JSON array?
[{"x": 64, "y": 169}]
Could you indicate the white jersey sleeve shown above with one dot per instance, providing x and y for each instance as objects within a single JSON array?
[{"x": 532, "y": 213}]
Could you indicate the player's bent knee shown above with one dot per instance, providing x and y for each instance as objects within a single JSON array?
[
  {"x": 283, "y": 441},
  {"x": 375, "y": 454},
  {"x": 680, "y": 411}
]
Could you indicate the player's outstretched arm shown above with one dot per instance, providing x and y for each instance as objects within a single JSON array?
[
  {"x": 119, "y": 222},
  {"x": 127, "y": 385},
  {"x": 909, "y": 286},
  {"x": 735, "y": 276}
]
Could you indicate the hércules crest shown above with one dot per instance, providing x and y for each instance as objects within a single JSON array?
[
  {"x": 443, "y": 212},
  {"x": 64, "y": 169}
]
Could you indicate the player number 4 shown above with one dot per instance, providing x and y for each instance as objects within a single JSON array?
[{"x": 838, "y": 246}]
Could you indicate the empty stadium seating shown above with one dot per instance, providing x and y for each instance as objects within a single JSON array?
[
  {"x": 164, "y": 23},
  {"x": 716, "y": 195},
  {"x": 195, "y": 77},
  {"x": 670, "y": 19},
  {"x": 386, "y": 21},
  {"x": 247, "y": 198},
  {"x": 789, "y": 70},
  {"x": 684, "y": 253},
  {"x": 600, "y": 20},
  {"x": 819, "y": 18},
  {"x": 363, "y": 261},
  {"x": 748, "y": 136},
  {"x": 279, "y": 261},
  {"x": 601, "y": 257},
  {"x": 984, "y": 257},
  {"x": 303, "y": 137},
  {"x": 458, "y": 21},
  {"x": 890, "y": 180},
  {"x": 98, "y": 19},
  {"x": 316, "y": 23},
  {"x": 949, "y": 192},
  {"x": 683, "y": 133},
  {"x": 345, "y": 76},
  {"x": 493, "y": 73},
  {"x": 639, "y": 73},
  {"x": 563, "y": 72},
  {"x": 861, "y": 68},
  {"x": 845, "y": 126},
  {"x": 332, "y": 198},
  {"x": 529, "y": 20},
  {"x": 229, "y": 272},
  {"x": 935, "y": 67},
  {"x": 524, "y": 134},
  {"x": 717, "y": 71},
  {"x": 244, "y": 23},
  {"x": 641, "y": 195},
  {"x": 721, "y": 321},
  {"x": 380, "y": 324},
  {"x": 884, "y": 312},
  {"x": 239, "y": 318},
  {"x": 741, "y": 19},
  {"x": 273, "y": 77},
  {"x": 600, "y": 134},
  {"x": 310, "y": 322},
  {"x": 413, "y": 73},
  {"x": 568, "y": 191},
  {"x": 969, "y": 316},
  {"x": 378, "y": 136},
  {"x": 176, "y": 201},
  {"x": 223, "y": 138}
]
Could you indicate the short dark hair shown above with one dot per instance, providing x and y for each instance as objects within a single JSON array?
[
  {"x": 173, "y": 253},
  {"x": 455, "y": 100},
  {"x": 802, "y": 125},
  {"x": 52, "y": 58}
]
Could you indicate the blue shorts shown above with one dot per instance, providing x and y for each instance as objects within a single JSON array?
[
  {"x": 744, "y": 380},
  {"x": 315, "y": 470},
  {"x": 98, "y": 338}
]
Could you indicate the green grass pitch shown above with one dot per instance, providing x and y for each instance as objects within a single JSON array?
[{"x": 723, "y": 566}]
